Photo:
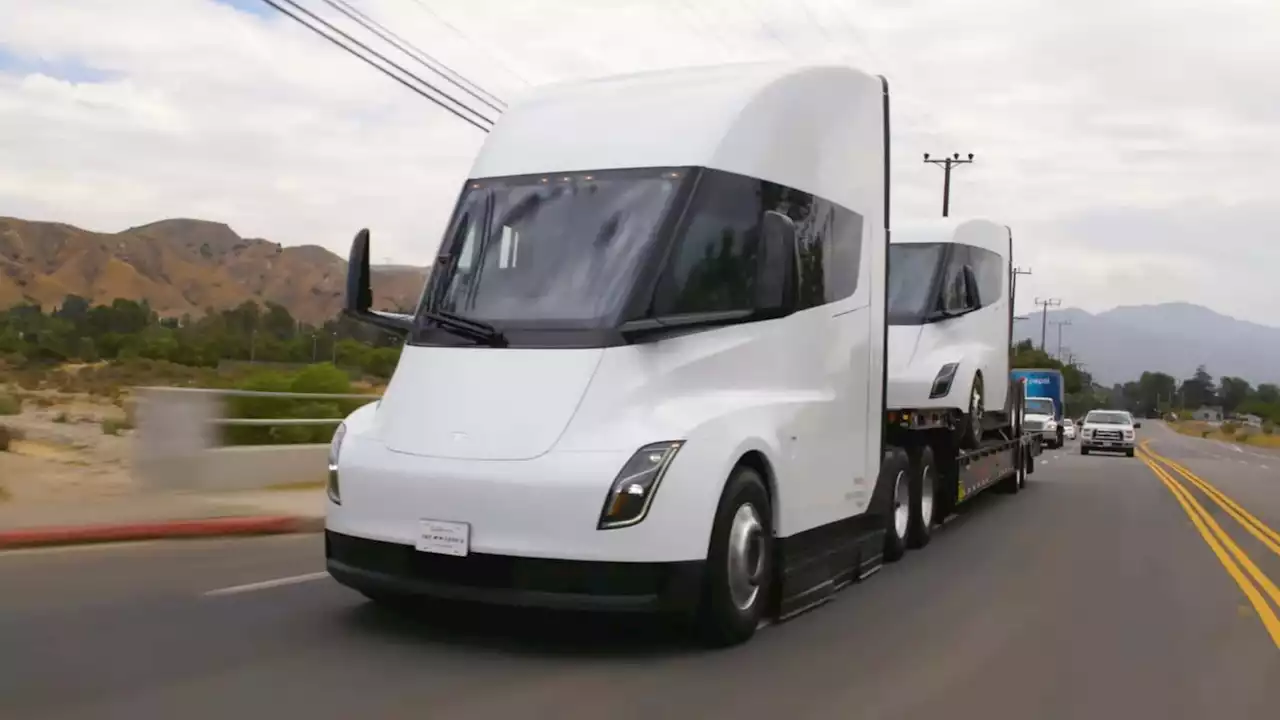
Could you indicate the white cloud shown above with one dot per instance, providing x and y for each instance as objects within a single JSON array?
[{"x": 1134, "y": 145}]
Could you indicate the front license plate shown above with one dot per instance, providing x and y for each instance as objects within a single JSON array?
[{"x": 443, "y": 537}]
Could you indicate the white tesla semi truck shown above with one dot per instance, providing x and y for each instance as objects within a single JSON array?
[
  {"x": 950, "y": 315},
  {"x": 647, "y": 372}
]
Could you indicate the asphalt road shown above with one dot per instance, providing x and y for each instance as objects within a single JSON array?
[{"x": 1090, "y": 595}]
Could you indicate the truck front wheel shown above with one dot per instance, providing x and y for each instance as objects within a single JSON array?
[{"x": 739, "y": 569}]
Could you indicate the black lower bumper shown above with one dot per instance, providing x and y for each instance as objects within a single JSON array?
[
  {"x": 375, "y": 567},
  {"x": 1107, "y": 447}
]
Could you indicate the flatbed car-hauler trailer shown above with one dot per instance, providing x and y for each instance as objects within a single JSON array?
[
  {"x": 647, "y": 373},
  {"x": 1002, "y": 461}
]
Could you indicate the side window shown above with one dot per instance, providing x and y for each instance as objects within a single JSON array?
[
  {"x": 844, "y": 257},
  {"x": 713, "y": 265},
  {"x": 991, "y": 270},
  {"x": 954, "y": 288},
  {"x": 829, "y": 240}
]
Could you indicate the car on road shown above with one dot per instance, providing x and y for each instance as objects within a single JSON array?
[
  {"x": 1109, "y": 430},
  {"x": 1068, "y": 429}
]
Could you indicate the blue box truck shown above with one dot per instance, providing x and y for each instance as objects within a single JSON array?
[{"x": 1043, "y": 384}]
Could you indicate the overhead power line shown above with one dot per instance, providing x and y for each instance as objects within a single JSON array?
[
  {"x": 416, "y": 53},
  {"x": 453, "y": 105}
]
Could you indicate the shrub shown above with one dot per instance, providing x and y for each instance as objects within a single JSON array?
[
  {"x": 62, "y": 417},
  {"x": 113, "y": 426},
  {"x": 1268, "y": 427},
  {"x": 10, "y": 405},
  {"x": 6, "y": 437},
  {"x": 1229, "y": 428}
]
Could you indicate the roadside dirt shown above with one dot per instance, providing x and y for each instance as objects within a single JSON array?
[{"x": 62, "y": 454}]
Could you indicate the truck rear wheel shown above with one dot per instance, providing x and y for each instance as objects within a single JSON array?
[
  {"x": 739, "y": 569},
  {"x": 896, "y": 471},
  {"x": 923, "y": 486}
]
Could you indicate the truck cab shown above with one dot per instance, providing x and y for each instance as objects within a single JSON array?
[
  {"x": 949, "y": 316},
  {"x": 1045, "y": 403},
  {"x": 646, "y": 372}
]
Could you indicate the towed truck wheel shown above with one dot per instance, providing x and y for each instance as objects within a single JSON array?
[
  {"x": 739, "y": 562},
  {"x": 971, "y": 426}
]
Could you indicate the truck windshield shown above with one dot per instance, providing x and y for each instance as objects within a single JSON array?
[
  {"x": 550, "y": 251},
  {"x": 1039, "y": 406},
  {"x": 913, "y": 268},
  {"x": 1107, "y": 418}
]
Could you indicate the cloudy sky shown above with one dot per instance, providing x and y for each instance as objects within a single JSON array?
[{"x": 1133, "y": 145}]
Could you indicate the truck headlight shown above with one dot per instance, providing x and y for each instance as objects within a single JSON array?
[
  {"x": 942, "y": 382},
  {"x": 633, "y": 489},
  {"x": 335, "y": 446},
  {"x": 1051, "y": 425}
]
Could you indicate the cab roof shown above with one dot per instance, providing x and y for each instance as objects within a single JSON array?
[
  {"x": 816, "y": 128},
  {"x": 978, "y": 232}
]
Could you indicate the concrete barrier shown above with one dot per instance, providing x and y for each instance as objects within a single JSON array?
[{"x": 176, "y": 447}]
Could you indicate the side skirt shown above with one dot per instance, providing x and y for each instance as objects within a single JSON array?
[{"x": 815, "y": 564}]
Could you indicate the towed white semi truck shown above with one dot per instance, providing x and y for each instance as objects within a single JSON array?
[{"x": 648, "y": 370}]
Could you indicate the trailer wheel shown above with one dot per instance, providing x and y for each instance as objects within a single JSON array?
[
  {"x": 739, "y": 562},
  {"x": 923, "y": 487},
  {"x": 896, "y": 471}
]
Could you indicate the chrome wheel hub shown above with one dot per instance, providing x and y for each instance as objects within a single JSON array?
[
  {"x": 746, "y": 556},
  {"x": 901, "y": 504},
  {"x": 926, "y": 496}
]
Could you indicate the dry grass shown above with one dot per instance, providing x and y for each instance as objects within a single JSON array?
[{"x": 1228, "y": 433}]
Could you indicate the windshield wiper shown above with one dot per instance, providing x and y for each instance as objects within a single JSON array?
[{"x": 466, "y": 327}]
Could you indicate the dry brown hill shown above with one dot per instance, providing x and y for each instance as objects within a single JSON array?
[{"x": 182, "y": 266}]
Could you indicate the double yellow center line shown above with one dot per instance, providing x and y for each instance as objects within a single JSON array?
[{"x": 1252, "y": 581}]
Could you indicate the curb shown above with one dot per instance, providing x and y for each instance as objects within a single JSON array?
[{"x": 205, "y": 528}]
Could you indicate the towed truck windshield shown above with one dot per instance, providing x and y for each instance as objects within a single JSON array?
[
  {"x": 913, "y": 272},
  {"x": 548, "y": 252}
]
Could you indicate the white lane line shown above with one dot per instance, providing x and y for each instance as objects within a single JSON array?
[{"x": 265, "y": 584}]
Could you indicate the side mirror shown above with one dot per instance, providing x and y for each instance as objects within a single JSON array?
[
  {"x": 359, "y": 289},
  {"x": 972, "y": 300},
  {"x": 360, "y": 292},
  {"x": 776, "y": 273}
]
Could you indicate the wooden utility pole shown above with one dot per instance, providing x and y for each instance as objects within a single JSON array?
[
  {"x": 1044, "y": 317},
  {"x": 946, "y": 164}
]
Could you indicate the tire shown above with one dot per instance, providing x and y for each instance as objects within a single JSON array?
[
  {"x": 1129, "y": 452},
  {"x": 971, "y": 427},
  {"x": 923, "y": 488},
  {"x": 739, "y": 575},
  {"x": 896, "y": 471},
  {"x": 1084, "y": 450}
]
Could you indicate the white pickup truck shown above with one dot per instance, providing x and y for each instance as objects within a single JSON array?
[{"x": 1110, "y": 430}]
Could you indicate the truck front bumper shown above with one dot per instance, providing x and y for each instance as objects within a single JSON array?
[{"x": 376, "y": 568}]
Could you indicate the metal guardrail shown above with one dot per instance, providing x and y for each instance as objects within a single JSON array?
[{"x": 268, "y": 422}]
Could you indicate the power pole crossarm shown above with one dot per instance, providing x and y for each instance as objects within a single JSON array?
[{"x": 946, "y": 164}]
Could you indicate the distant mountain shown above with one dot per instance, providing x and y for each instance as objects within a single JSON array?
[
  {"x": 1118, "y": 345},
  {"x": 182, "y": 266}
]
